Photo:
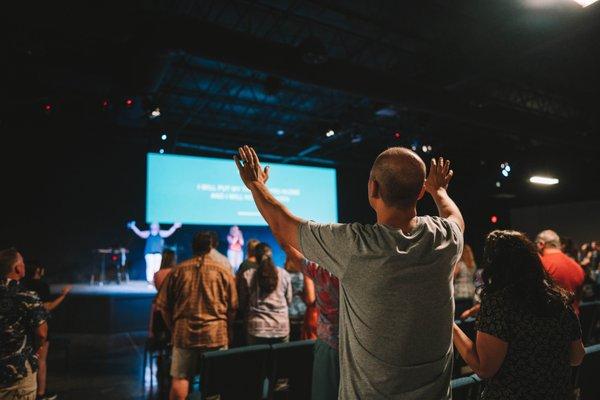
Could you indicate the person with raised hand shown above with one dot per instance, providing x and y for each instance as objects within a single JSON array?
[{"x": 394, "y": 342}]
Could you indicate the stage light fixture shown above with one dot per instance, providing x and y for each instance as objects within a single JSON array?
[
  {"x": 585, "y": 3},
  {"x": 330, "y": 133},
  {"x": 543, "y": 180},
  {"x": 505, "y": 173},
  {"x": 397, "y": 135},
  {"x": 280, "y": 132},
  {"x": 494, "y": 219},
  {"x": 164, "y": 136},
  {"x": 429, "y": 148},
  {"x": 498, "y": 184},
  {"x": 105, "y": 103},
  {"x": 47, "y": 107},
  {"x": 155, "y": 113},
  {"x": 128, "y": 102}
]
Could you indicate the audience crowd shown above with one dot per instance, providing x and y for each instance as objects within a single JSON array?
[{"x": 358, "y": 290}]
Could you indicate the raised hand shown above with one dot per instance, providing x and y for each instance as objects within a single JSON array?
[
  {"x": 65, "y": 290},
  {"x": 248, "y": 164},
  {"x": 440, "y": 175},
  {"x": 131, "y": 224},
  {"x": 177, "y": 225}
]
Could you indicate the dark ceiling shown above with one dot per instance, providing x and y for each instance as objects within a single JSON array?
[{"x": 482, "y": 81}]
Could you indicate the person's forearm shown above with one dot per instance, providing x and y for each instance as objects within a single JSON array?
[
  {"x": 283, "y": 224},
  {"x": 51, "y": 305},
  {"x": 466, "y": 348},
  {"x": 447, "y": 208}
]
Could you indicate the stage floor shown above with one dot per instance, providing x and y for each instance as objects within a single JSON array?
[
  {"x": 112, "y": 289},
  {"x": 104, "y": 309}
]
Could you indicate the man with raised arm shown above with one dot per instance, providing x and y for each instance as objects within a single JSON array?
[
  {"x": 155, "y": 242},
  {"x": 396, "y": 306}
]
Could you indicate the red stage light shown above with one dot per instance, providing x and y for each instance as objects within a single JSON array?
[
  {"x": 105, "y": 104},
  {"x": 47, "y": 107},
  {"x": 129, "y": 102},
  {"x": 494, "y": 219},
  {"x": 397, "y": 135}
]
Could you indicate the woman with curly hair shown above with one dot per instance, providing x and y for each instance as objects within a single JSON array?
[{"x": 528, "y": 336}]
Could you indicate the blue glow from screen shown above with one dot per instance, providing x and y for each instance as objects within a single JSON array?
[{"x": 209, "y": 191}]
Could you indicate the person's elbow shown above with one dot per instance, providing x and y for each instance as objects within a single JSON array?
[
  {"x": 41, "y": 333},
  {"x": 486, "y": 371},
  {"x": 577, "y": 353}
]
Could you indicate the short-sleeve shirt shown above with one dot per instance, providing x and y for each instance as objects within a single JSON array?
[
  {"x": 200, "y": 297},
  {"x": 266, "y": 314},
  {"x": 21, "y": 313},
  {"x": 396, "y": 305},
  {"x": 537, "y": 363},
  {"x": 565, "y": 271}
]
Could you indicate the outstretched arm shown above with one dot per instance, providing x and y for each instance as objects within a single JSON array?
[
  {"x": 51, "y": 305},
  {"x": 135, "y": 229},
  {"x": 436, "y": 185},
  {"x": 170, "y": 231},
  {"x": 282, "y": 222}
]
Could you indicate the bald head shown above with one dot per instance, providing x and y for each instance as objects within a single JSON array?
[
  {"x": 400, "y": 174},
  {"x": 549, "y": 239}
]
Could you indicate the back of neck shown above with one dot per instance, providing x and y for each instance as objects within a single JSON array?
[{"x": 395, "y": 218}]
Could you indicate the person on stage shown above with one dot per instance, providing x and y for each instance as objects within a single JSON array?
[
  {"x": 155, "y": 241},
  {"x": 235, "y": 254}
]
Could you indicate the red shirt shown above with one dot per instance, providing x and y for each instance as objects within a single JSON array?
[{"x": 565, "y": 271}]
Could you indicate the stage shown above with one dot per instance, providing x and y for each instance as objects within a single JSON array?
[{"x": 103, "y": 309}]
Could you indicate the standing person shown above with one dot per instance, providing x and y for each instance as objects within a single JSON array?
[
  {"x": 250, "y": 261},
  {"x": 298, "y": 306},
  {"x": 395, "y": 341},
  {"x": 528, "y": 336},
  {"x": 155, "y": 241},
  {"x": 215, "y": 249},
  {"x": 167, "y": 262},
  {"x": 563, "y": 269},
  {"x": 265, "y": 294},
  {"x": 23, "y": 330},
  {"x": 235, "y": 254},
  {"x": 464, "y": 281},
  {"x": 198, "y": 302},
  {"x": 34, "y": 282},
  {"x": 324, "y": 297}
]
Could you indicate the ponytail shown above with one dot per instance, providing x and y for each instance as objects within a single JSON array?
[{"x": 267, "y": 275}]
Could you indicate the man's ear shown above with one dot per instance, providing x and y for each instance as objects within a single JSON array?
[
  {"x": 421, "y": 193},
  {"x": 374, "y": 189}
]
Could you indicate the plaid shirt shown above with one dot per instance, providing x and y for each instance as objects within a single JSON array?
[
  {"x": 21, "y": 313},
  {"x": 199, "y": 298}
]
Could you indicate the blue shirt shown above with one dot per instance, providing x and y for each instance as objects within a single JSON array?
[{"x": 154, "y": 244}]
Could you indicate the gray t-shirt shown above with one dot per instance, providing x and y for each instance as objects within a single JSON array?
[{"x": 396, "y": 305}]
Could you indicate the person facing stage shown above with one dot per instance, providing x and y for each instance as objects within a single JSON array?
[
  {"x": 155, "y": 241},
  {"x": 235, "y": 254}
]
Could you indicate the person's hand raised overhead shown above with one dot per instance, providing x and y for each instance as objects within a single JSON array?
[
  {"x": 440, "y": 175},
  {"x": 249, "y": 166}
]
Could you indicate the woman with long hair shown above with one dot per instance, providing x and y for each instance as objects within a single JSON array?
[
  {"x": 265, "y": 294},
  {"x": 528, "y": 336},
  {"x": 168, "y": 261},
  {"x": 464, "y": 281}
]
